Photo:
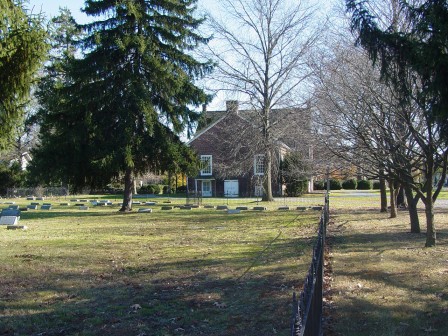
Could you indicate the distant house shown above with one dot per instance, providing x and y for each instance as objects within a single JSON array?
[{"x": 229, "y": 145}]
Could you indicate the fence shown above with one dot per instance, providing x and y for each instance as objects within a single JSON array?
[{"x": 307, "y": 311}]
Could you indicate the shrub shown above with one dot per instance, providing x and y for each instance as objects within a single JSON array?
[
  {"x": 181, "y": 189},
  {"x": 335, "y": 184},
  {"x": 319, "y": 185},
  {"x": 376, "y": 185},
  {"x": 296, "y": 188},
  {"x": 364, "y": 185},
  {"x": 349, "y": 184},
  {"x": 150, "y": 189}
]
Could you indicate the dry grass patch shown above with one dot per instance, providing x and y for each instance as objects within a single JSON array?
[{"x": 385, "y": 281}]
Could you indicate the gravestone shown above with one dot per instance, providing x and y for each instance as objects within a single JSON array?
[
  {"x": 9, "y": 217},
  {"x": 145, "y": 210},
  {"x": 167, "y": 208},
  {"x": 150, "y": 203},
  {"x": 83, "y": 207},
  {"x": 317, "y": 208},
  {"x": 35, "y": 203},
  {"x": 16, "y": 227},
  {"x": 233, "y": 211},
  {"x": 222, "y": 207},
  {"x": 259, "y": 208},
  {"x": 284, "y": 208},
  {"x": 40, "y": 198},
  {"x": 242, "y": 208},
  {"x": 185, "y": 207},
  {"x": 30, "y": 198},
  {"x": 45, "y": 207},
  {"x": 301, "y": 208},
  {"x": 13, "y": 206},
  {"x": 32, "y": 206}
]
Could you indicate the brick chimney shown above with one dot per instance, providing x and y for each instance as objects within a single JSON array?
[{"x": 232, "y": 106}]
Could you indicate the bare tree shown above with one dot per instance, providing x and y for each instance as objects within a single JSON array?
[
  {"x": 263, "y": 57},
  {"x": 369, "y": 124}
]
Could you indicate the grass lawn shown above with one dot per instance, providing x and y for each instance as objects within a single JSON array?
[
  {"x": 385, "y": 282},
  {"x": 177, "y": 272}
]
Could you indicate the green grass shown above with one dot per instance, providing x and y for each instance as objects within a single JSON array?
[{"x": 177, "y": 272}]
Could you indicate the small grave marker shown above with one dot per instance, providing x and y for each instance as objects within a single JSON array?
[
  {"x": 40, "y": 198},
  {"x": 233, "y": 211},
  {"x": 145, "y": 210},
  {"x": 185, "y": 207},
  {"x": 30, "y": 198},
  {"x": 16, "y": 227},
  {"x": 259, "y": 208},
  {"x": 222, "y": 207},
  {"x": 301, "y": 208},
  {"x": 14, "y": 206},
  {"x": 46, "y": 207},
  {"x": 284, "y": 208},
  {"x": 242, "y": 208},
  {"x": 83, "y": 207},
  {"x": 167, "y": 208},
  {"x": 32, "y": 206},
  {"x": 150, "y": 203},
  {"x": 317, "y": 208},
  {"x": 65, "y": 204}
]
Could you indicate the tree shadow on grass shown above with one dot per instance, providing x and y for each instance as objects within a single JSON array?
[
  {"x": 386, "y": 282},
  {"x": 187, "y": 296}
]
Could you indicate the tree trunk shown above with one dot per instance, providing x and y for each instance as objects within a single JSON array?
[
  {"x": 401, "y": 200},
  {"x": 393, "y": 205},
  {"x": 128, "y": 186},
  {"x": 429, "y": 206},
  {"x": 412, "y": 208},
  {"x": 430, "y": 227},
  {"x": 383, "y": 192},
  {"x": 267, "y": 196}
]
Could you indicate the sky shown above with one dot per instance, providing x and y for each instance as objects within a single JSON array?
[{"x": 50, "y": 8}]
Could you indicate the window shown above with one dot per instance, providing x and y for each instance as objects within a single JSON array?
[
  {"x": 259, "y": 164},
  {"x": 206, "y": 165}
]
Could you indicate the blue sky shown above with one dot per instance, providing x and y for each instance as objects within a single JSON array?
[{"x": 51, "y": 7}]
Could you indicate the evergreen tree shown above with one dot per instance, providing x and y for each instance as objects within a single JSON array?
[
  {"x": 416, "y": 55},
  {"x": 60, "y": 130},
  {"x": 131, "y": 93},
  {"x": 22, "y": 50}
]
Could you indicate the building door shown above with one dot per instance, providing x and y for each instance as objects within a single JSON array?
[
  {"x": 231, "y": 188},
  {"x": 206, "y": 188}
]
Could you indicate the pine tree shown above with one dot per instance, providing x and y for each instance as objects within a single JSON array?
[
  {"x": 60, "y": 130},
  {"x": 132, "y": 92},
  {"x": 22, "y": 50}
]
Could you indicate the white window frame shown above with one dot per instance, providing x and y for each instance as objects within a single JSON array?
[
  {"x": 259, "y": 165},
  {"x": 206, "y": 170}
]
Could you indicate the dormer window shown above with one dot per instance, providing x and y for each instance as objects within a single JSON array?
[
  {"x": 259, "y": 164},
  {"x": 206, "y": 165}
]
